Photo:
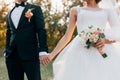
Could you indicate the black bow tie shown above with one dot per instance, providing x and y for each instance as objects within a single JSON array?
[{"x": 22, "y": 4}]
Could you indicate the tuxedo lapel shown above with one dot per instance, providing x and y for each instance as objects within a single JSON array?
[{"x": 23, "y": 14}]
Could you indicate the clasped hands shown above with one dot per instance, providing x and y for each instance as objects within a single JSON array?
[{"x": 45, "y": 59}]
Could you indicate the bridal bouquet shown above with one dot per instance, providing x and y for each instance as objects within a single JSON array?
[{"x": 91, "y": 36}]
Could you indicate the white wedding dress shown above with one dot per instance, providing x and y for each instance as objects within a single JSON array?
[{"x": 75, "y": 62}]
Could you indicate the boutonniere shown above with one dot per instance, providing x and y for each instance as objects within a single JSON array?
[{"x": 29, "y": 14}]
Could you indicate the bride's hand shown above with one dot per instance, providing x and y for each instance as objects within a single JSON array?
[{"x": 102, "y": 42}]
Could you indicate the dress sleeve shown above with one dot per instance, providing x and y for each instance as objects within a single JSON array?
[
  {"x": 77, "y": 8},
  {"x": 113, "y": 31}
]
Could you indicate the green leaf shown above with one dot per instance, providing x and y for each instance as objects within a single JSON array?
[
  {"x": 102, "y": 35},
  {"x": 88, "y": 44}
]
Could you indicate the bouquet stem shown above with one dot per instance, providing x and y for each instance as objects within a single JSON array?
[{"x": 104, "y": 55}]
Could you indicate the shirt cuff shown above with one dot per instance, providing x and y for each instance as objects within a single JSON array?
[
  {"x": 4, "y": 54},
  {"x": 42, "y": 53}
]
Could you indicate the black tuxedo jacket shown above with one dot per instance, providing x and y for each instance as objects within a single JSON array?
[{"x": 30, "y": 37}]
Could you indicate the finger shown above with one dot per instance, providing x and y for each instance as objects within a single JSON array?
[
  {"x": 100, "y": 46},
  {"x": 41, "y": 59},
  {"x": 46, "y": 61},
  {"x": 41, "y": 62},
  {"x": 99, "y": 43}
]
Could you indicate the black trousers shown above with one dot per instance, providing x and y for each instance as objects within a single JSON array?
[{"x": 16, "y": 68}]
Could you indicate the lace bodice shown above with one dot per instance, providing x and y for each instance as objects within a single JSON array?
[
  {"x": 97, "y": 17},
  {"x": 94, "y": 16}
]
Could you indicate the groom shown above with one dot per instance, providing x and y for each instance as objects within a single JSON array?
[{"x": 25, "y": 41}]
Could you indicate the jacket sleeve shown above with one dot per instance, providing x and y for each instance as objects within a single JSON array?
[
  {"x": 40, "y": 29},
  {"x": 8, "y": 35}
]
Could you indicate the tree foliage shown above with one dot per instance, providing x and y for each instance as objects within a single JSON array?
[{"x": 3, "y": 12}]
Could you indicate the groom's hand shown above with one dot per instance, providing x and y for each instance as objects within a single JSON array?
[{"x": 44, "y": 60}]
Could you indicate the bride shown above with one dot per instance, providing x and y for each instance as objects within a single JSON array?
[{"x": 76, "y": 62}]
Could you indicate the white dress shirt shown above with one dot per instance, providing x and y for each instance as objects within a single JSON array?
[{"x": 16, "y": 15}]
